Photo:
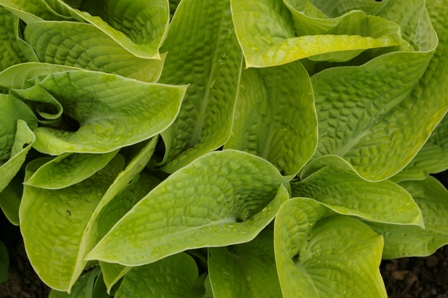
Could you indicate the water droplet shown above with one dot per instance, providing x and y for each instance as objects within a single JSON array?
[
  {"x": 117, "y": 138},
  {"x": 248, "y": 278},
  {"x": 226, "y": 273}
]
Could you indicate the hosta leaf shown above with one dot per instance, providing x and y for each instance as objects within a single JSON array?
[
  {"x": 245, "y": 270},
  {"x": 223, "y": 198},
  {"x": 404, "y": 241},
  {"x": 53, "y": 223},
  {"x": 23, "y": 140},
  {"x": 69, "y": 169},
  {"x": 271, "y": 34},
  {"x": 205, "y": 120},
  {"x": 10, "y": 52},
  {"x": 336, "y": 8},
  {"x": 432, "y": 158},
  {"x": 112, "y": 111},
  {"x": 31, "y": 11},
  {"x": 139, "y": 26},
  {"x": 85, "y": 46},
  {"x": 321, "y": 256},
  {"x": 175, "y": 276},
  {"x": 275, "y": 116},
  {"x": 10, "y": 199},
  {"x": 378, "y": 122},
  {"x": 346, "y": 193}
]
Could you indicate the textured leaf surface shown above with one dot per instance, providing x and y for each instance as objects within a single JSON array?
[
  {"x": 271, "y": 34},
  {"x": 275, "y": 116},
  {"x": 220, "y": 199},
  {"x": 174, "y": 276},
  {"x": 82, "y": 288},
  {"x": 112, "y": 111},
  {"x": 69, "y": 169},
  {"x": 139, "y": 26},
  {"x": 321, "y": 256},
  {"x": 30, "y": 11},
  {"x": 346, "y": 193},
  {"x": 245, "y": 270},
  {"x": 404, "y": 241},
  {"x": 10, "y": 53},
  {"x": 205, "y": 120},
  {"x": 379, "y": 121},
  {"x": 53, "y": 222},
  {"x": 85, "y": 46}
]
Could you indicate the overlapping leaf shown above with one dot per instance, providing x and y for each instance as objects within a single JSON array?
[
  {"x": 346, "y": 193},
  {"x": 245, "y": 270},
  {"x": 271, "y": 33},
  {"x": 403, "y": 241},
  {"x": 319, "y": 255},
  {"x": 275, "y": 116},
  {"x": 112, "y": 111},
  {"x": 174, "y": 276},
  {"x": 220, "y": 199},
  {"x": 208, "y": 58},
  {"x": 10, "y": 53}
]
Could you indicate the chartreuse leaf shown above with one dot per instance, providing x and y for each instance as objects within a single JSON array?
[
  {"x": 112, "y": 111},
  {"x": 139, "y": 26},
  {"x": 31, "y": 11},
  {"x": 4, "y": 263},
  {"x": 387, "y": 99},
  {"x": 205, "y": 120},
  {"x": 85, "y": 46},
  {"x": 23, "y": 140},
  {"x": 223, "y": 198},
  {"x": 83, "y": 288},
  {"x": 432, "y": 158},
  {"x": 336, "y": 8},
  {"x": 10, "y": 199},
  {"x": 53, "y": 223},
  {"x": 346, "y": 193},
  {"x": 275, "y": 116},
  {"x": 10, "y": 53},
  {"x": 319, "y": 255},
  {"x": 69, "y": 169},
  {"x": 272, "y": 33},
  {"x": 174, "y": 276},
  {"x": 245, "y": 270},
  {"x": 404, "y": 241}
]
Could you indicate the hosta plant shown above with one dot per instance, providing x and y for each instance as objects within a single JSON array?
[{"x": 223, "y": 148}]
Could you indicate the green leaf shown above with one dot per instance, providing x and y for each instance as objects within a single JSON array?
[
  {"x": 223, "y": 198},
  {"x": 271, "y": 33},
  {"x": 85, "y": 46},
  {"x": 245, "y": 270},
  {"x": 10, "y": 52},
  {"x": 384, "y": 101},
  {"x": 69, "y": 169},
  {"x": 139, "y": 26},
  {"x": 4, "y": 263},
  {"x": 10, "y": 199},
  {"x": 406, "y": 241},
  {"x": 112, "y": 111},
  {"x": 83, "y": 288},
  {"x": 345, "y": 193},
  {"x": 31, "y": 11},
  {"x": 53, "y": 223},
  {"x": 275, "y": 116},
  {"x": 23, "y": 140},
  {"x": 319, "y": 255},
  {"x": 205, "y": 120},
  {"x": 174, "y": 276}
]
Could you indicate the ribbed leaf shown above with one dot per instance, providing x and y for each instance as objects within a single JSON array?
[
  {"x": 275, "y": 116},
  {"x": 220, "y": 199},
  {"x": 10, "y": 52},
  {"x": 85, "y": 46},
  {"x": 208, "y": 58},
  {"x": 319, "y": 255}
]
